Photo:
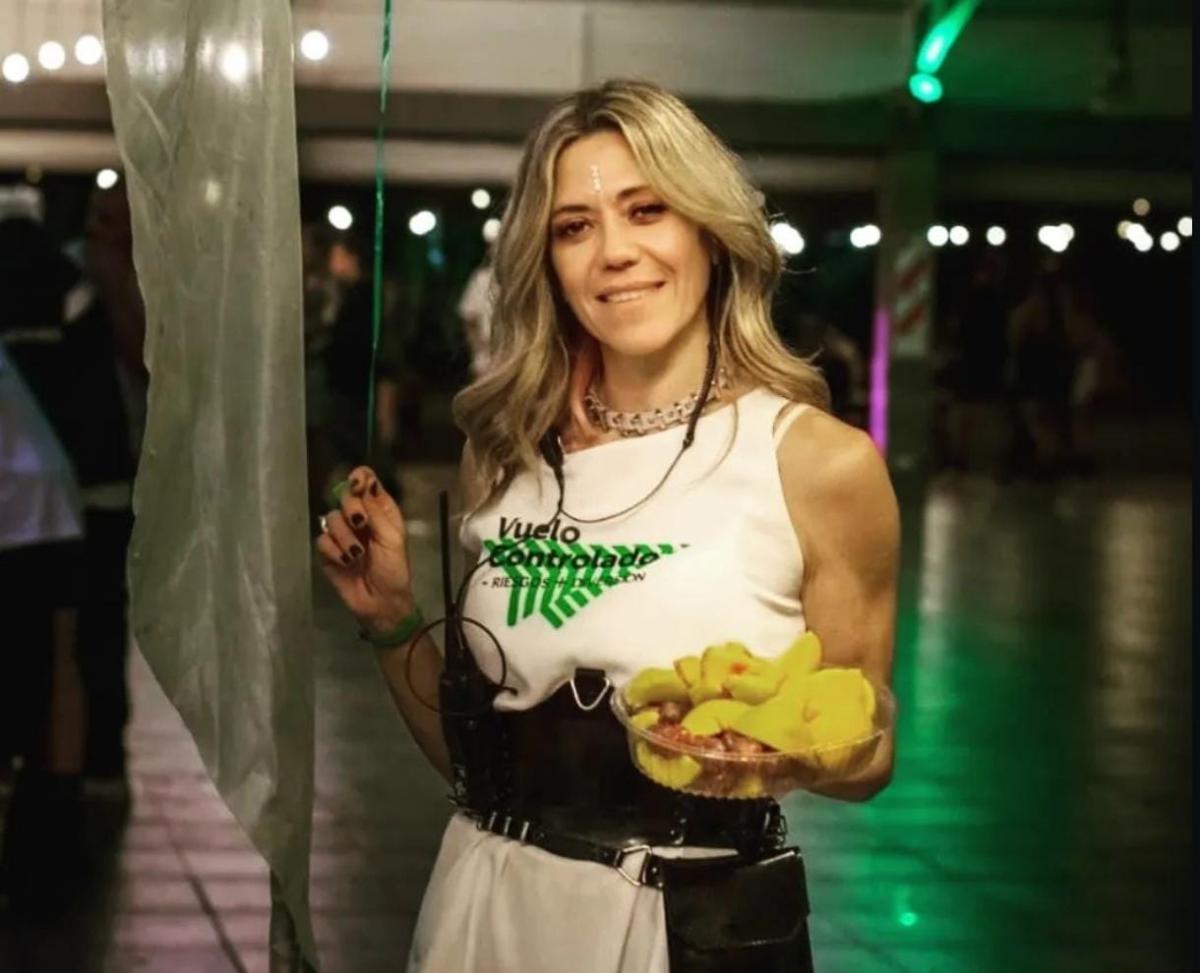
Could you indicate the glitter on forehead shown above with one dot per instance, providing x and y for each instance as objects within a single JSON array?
[{"x": 596, "y": 186}]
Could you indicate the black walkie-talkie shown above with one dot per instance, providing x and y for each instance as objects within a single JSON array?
[{"x": 474, "y": 736}]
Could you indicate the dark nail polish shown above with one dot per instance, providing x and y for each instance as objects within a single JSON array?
[
  {"x": 345, "y": 558},
  {"x": 374, "y": 489},
  {"x": 354, "y": 483},
  {"x": 358, "y": 520},
  {"x": 355, "y": 550}
]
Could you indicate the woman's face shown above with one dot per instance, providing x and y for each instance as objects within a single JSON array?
[{"x": 634, "y": 272}]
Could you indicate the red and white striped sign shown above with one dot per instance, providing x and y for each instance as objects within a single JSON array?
[{"x": 912, "y": 296}]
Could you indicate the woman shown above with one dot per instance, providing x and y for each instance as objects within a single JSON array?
[{"x": 641, "y": 405}]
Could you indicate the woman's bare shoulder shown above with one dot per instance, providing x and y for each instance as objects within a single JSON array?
[{"x": 828, "y": 465}]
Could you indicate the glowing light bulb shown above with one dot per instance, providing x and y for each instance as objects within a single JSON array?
[
  {"x": 1184, "y": 226},
  {"x": 491, "y": 230},
  {"x": 959, "y": 235},
  {"x": 89, "y": 50},
  {"x": 925, "y": 88},
  {"x": 996, "y": 236},
  {"x": 340, "y": 218},
  {"x": 1141, "y": 206},
  {"x": 1169, "y": 241},
  {"x": 865, "y": 236},
  {"x": 52, "y": 55},
  {"x": 107, "y": 178},
  {"x": 314, "y": 46},
  {"x": 938, "y": 235},
  {"x": 15, "y": 68},
  {"x": 422, "y": 222},
  {"x": 787, "y": 238}
]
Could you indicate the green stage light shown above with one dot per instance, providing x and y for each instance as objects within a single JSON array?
[
  {"x": 925, "y": 87},
  {"x": 942, "y": 35}
]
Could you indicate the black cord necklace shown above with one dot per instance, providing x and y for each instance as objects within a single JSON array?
[{"x": 551, "y": 449}]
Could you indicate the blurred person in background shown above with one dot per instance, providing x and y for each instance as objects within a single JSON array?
[
  {"x": 1041, "y": 373},
  {"x": 1098, "y": 378},
  {"x": 475, "y": 312},
  {"x": 43, "y": 713},
  {"x": 347, "y": 360},
  {"x": 981, "y": 353},
  {"x": 842, "y": 365},
  {"x": 106, "y": 330},
  {"x": 320, "y": 305}
]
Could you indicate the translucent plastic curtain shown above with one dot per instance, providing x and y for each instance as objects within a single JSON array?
[{"x": 202, "y": 104}]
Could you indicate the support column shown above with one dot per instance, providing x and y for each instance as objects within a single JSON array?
[{"x": 901, "y": 411}]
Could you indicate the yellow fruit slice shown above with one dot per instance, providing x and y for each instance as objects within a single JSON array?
[
  {"x": 795, "y": 689},
  {"x": 676, "y": 772},
  {"x": 838, "y": 688},
  {"x": 778, "y": 723},
  {"x": 756, "y": 685},
  {"x": 841, "y": 723},
  {"x": 655, "y": 686},
  {"x": 703, "y": 691},
  {"x": 713, "y": 716},
  {"x": 718, "y": 662},
  {"x": 688, "y": 669},
  {"x": 645, "y": 719},
  {"x": 803, "y": 656}
]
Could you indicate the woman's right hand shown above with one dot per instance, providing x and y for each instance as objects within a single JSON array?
[{"x": 364, "y": 554}]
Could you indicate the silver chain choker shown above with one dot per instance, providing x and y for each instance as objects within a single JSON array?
[{"x": 651, "y": 420}]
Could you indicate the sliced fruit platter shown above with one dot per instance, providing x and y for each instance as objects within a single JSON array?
[{"x": 728, "y": 723}]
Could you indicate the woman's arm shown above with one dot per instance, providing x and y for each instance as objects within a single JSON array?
[
  {"x": 376, "y": 585},
  {"x": 846, "y": 518}
]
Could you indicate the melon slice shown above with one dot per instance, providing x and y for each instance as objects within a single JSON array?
[
  {"x": 676, "y": 772},
  {"x": 713, "y": 716},
  {"x": 655, "y": 686}
]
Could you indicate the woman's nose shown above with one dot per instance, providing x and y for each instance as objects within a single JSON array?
[{"x": 618, "y": 248}]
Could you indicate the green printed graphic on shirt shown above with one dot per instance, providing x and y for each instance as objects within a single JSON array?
[{"x": 557, "y": 579}]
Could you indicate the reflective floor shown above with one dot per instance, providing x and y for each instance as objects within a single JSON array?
[{"x": 1039, "y": 819}]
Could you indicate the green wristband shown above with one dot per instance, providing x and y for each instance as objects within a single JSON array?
[{"x": 399, "y": 635}]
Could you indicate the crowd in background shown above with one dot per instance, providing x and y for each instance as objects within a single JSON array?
[
  {"x": 72, "y": 407},
  {"x": 1023, "y": 373},
  {"x": 1022, "y": 368}
]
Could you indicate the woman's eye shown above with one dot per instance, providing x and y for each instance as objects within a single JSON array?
[
  {"x": 566, "y": 230},
  {"x": 649, "y": 209}
]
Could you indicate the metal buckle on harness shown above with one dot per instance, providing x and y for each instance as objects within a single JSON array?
[
  {"x": 775, "y": 826},
  {"x": 604, "y": 688},
  {"x": 619, "y": 864}
]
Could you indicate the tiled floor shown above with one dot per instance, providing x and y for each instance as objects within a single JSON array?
[{"x": 1039, "y": 818}]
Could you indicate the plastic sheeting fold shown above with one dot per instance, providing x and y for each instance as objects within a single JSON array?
[{"x": 203, "y": 108}]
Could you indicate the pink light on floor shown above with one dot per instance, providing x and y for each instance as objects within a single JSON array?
[{"x": 880, "y": 348}]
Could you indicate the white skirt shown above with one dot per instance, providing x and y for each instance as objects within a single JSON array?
[{"x": 494, "y": 905}]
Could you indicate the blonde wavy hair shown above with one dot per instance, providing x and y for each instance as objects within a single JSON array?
[{"x": 536, "y": 339}]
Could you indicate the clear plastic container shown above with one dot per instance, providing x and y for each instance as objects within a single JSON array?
[{"x": 711, "y": 773}]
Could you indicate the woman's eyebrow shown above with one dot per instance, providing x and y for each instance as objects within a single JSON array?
[{"x": 585, "y": 208}]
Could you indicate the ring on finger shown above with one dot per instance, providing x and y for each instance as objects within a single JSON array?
[{"x": 324, "y": 522}]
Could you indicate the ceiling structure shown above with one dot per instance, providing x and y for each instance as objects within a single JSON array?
[{"x": 1028, "y": 82}]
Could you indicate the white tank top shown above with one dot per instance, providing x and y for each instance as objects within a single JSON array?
[{"x": 712, "y": 557}]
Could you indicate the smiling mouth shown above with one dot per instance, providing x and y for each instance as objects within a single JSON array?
[{"x": 630, "y": 296}]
